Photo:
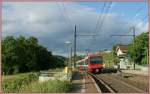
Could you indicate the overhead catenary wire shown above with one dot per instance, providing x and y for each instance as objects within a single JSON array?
[
  {"x": 144, "y": 18},
  {"x": 107, "y": 10},
  {"x": 137, "y": 13},
  {"x": 131, "y": 20},
  {"x": 69, "y": 20},
  {"x": 100, "y": 16},
  {"x": 135, "y": 16},
  {"x": 63, "y": 15}
]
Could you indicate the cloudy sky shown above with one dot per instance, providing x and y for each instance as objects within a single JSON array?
[{"x": 53, "y": 23}]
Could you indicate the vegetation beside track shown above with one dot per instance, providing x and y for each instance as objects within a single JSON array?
[
  {"x": 15, "y": 83},
  {"x": 54, "y": 86},
  {"x": 108, "y": 59},
  {"x": 28, "y": 82}
]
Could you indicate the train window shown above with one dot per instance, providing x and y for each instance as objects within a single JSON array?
[{"x": 96, "y": 61}]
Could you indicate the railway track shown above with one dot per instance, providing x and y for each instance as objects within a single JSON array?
[
  {"x": 104, "y": 88},
  {"x": 109, "y": 84}
]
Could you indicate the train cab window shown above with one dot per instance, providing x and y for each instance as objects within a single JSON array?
[{"x": 96, "y": 61}]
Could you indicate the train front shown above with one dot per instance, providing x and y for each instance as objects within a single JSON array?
[{"x": 95, "y": 63}]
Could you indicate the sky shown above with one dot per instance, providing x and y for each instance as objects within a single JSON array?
[{"x": 53, "y": 23}]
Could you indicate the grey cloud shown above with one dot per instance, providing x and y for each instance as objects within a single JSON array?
[{"x": 49, "y": 26}]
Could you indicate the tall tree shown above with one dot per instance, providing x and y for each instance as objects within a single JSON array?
[
  {"x": 139, "y": 51},
  {"x": 9, "y": 56},
  {"x": 25, "y": 54}
]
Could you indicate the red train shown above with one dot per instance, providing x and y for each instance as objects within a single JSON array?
[{"x": 94, "y": 63}]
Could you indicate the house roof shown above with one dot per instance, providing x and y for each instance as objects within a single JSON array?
[{"x": 123, "y": 48}]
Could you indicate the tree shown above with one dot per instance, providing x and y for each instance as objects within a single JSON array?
[
  {"x": 108, "y": 58},
  {"x": 25, "y": 55},
  {"x": 138, "y": 51},
  {"x": 8, "y": 54}
]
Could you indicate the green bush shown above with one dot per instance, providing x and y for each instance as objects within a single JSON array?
[
  {"x": 50, "y": 86},
  {"x": 14, "y": 85},
  {"x": 144, "y": 61}
]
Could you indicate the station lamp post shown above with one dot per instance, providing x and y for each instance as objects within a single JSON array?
[
  {"x": 68, "y": 43},
  {"x": 69, "y": 49}
]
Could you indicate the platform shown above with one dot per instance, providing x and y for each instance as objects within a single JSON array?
[{"x": 83, "y": 83}]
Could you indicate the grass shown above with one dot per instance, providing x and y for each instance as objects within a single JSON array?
[
  {"x": 55, "y": 86},
  {"x": 16, "y": 82},
  {"x": 4, "y": 77},
  {"x": 28, "y": 82}
]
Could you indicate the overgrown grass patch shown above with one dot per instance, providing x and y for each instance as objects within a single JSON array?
[
  {"x": 16, "y": 83},
  {"x": 54, "y": 86}
]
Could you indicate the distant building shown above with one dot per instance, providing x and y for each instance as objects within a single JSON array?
[{"x": 121, "y": 52}]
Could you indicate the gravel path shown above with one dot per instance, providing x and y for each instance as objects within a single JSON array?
[
  {"x": 118, "y": 83},
  {"x": 138, "y": 81},
  {"x": 137, "y": 72}
]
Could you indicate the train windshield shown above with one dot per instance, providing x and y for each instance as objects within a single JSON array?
[{"x": 96, "y": 61}]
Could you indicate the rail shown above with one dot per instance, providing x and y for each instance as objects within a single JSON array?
[{"x": 102, "y": 85}]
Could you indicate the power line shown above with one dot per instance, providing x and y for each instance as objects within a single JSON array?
[
  {"x": 107, "y": 10},
  {"x": 145, "y": 17},
  {"x": 64, "y": 8},
  {"x": 87, "y": 35},
  {"x": 142, "y": 20},
  {"x": 98, "y": 21},
  {"x": 136, "y": 13},
  {"x": 102, "y": 19},
  {"x": 61, "y": 11},
  {"x": 100, "y": 16},
  {"x": 131, "y": 19}
]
